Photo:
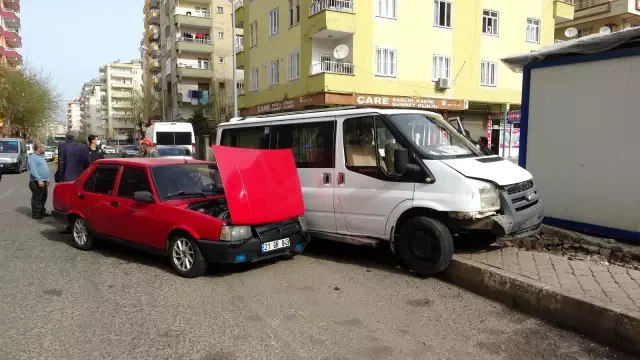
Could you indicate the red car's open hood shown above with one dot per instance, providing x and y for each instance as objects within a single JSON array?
[{"x": 261, "y": 186}]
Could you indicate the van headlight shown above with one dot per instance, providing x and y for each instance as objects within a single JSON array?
[
  {"x": 489, "y": 195},
  {"x": 235, "y": 233}
]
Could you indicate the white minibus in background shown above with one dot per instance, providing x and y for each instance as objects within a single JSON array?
[
  {"x": 173, "y": 134},
  {"x": 406, "y": 177}
]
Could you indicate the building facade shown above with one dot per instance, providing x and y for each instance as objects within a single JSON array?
[
  {"x": 192, "y": 48},
  {"x": 150, "y": 55},
  {"x": 74, "y": 115},
  {"x": 122, "y": 82},
  {"x": 438, "y": 55},
  {"x": 91, "y": 108},
  {"x": 595, "y": 16},
  {"x": 10, "y": 40}
]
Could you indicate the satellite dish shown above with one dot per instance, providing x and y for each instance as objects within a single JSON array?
[
  {"x": 605, "y": 30},
  {"x": 571, "y": 32},
  {"x": 341, "y": 51}
]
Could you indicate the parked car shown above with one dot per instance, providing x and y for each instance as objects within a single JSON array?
[
  {"x": 173, "y": 152},
  {"x": 246, "y": 208},
  {"x": 129, "y": 151},
  {"x": 13, "y": 155},
  {"x": 108, "y": 149},
  {"x": 49, "y": 153}
]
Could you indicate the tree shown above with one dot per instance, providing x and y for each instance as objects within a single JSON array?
[{"x": 145, "y": 107}]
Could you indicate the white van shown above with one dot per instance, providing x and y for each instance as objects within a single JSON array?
[
  {"x": 173, "y": 134},
  {"x": 406, "y": 177}
]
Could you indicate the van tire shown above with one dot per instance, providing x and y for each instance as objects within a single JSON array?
[{"x": 419, "y": 236}]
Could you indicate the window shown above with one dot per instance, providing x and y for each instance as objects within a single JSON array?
[
  {"x": 386, "y": 62},
  {"x": 441, "y": 67},
  {"x": 490, "y": 22},
  {"x": 274, "y": 22},
  {"x": 173, "y": 138},
  {"x": 294, "y": 12},
  {"x": 250, "y": 138},
  {"x": 386, "y": 8},
  {"x": 222, "y": 86},
  {"x": 274, "y": 72},
  {"x": 442, "y": 13},
  {"x": 102, "y": 180},
  {"x": 171, "y": 180},
  {"x": 585, "y": 31},
  {"x": 253, "y": 33},
  {"x": 201, "y": 11},
  {"x": 253, "y": 77},
  {"x": 220, "y": 60},
  {"x": 220, "y": 10},
  {"x": 533, "y": 30},
  {"x": 293, "y": 66},
  {"x": 312, "y": 143},
  {"x": 369, "y": 143},
  {"x": 132, "y": 180},
  {"x": 203, "y": 63},
  {"x": 220, "y": 35},
  {"x": 297, "y": 11},
  {"x": 488, "y": 76}
]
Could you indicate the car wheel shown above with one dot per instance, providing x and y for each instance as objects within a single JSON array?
[
  {"x": 425, "y": 246},
  {"x": 81, "y": 234},
  {"x": 186, "y": 257}
]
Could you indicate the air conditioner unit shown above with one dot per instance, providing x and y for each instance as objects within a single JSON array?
[{"x": 443, "y": 83}]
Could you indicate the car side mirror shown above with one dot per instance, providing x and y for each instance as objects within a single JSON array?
[
  {"x": 144, "y": 197},
  {"x": 401, "y": 162}
]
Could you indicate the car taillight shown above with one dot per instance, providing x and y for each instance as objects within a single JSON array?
[{"x": 193, "y": 149}]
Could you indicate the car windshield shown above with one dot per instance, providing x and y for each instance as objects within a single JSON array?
[
  {"x": 173, "y": 151},
  {"x": 436, "y": 138},
  {"x": 128, "y": 147},
  {"x": 186, "y": 180},
  {"x": 8, "y": 146}
]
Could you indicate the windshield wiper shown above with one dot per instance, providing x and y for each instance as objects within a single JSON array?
[{"x": 185, "y": 193}]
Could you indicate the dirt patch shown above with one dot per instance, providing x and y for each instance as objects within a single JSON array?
[{"x": 578, "y": 246}]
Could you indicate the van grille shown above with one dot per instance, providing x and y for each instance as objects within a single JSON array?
[
  {"x": 278, "y": 231},
  {"x": 519, "y": 187}
]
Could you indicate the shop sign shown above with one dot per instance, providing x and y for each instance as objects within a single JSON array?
[
  {"x": 285, "y": 105},
  {"x": 512, "y": 116},
  {"x": 409, "y": 102},
  {"x": 593, "y": 10}
]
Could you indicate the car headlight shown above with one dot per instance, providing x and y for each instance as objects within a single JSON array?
[
  {"x": 235, "y": 233},
  {"x": 489, "y": 195},
  {"x": 303, "y": 223}
]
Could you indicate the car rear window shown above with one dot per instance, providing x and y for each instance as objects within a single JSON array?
[{"x": 173, "y": 138}]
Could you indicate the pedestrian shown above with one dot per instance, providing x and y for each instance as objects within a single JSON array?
[
  {"x": 146, "y": 148},
  {"x": 483, "y": 145},
  {"x": 38, "y": 182},
  {"x": 73, "y": 159},
  {"x": 95, "y": 152}
]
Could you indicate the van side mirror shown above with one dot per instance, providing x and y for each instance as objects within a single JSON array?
[
  {"x": 144, "y": 197},
  {"x": 401, "y": 162}
]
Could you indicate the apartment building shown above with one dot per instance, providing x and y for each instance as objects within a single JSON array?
[
  {"x": 196, "y": 45},
  {"x": 439, "y": 55},
  {"x": 10, "y": 40},
  {"x": 150, "y": 56},
  {"x": 74, "y": 115},
  {"x": 596, "y": 16},
  {"x": 91, "y": 108},
  {"x": 120, "y": 81}
]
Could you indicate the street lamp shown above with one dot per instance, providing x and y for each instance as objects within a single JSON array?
[{"x": 233, "y": 53}]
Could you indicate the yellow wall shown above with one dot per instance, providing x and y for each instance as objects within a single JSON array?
[{"x": 416, "y": 40}]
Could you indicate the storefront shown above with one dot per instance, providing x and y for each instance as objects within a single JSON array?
[{"x": 505, "y": 136}]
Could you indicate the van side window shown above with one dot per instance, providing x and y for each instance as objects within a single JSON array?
[
  {"x": 368, "y": 142},
  {"x": 312, "y": 144},
  {"x": 249, "y": 138}
]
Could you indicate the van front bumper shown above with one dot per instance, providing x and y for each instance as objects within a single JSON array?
[
  {"x": 12, "y": 166},
  {"x": 225, "y": 252},
  {"x": 522, "y": 211}
]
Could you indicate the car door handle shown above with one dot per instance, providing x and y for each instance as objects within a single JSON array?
[
  {"x": 81, "y": 197},
  {"x": 326, "y": 178},
  {"x": 115, "y": 204}
]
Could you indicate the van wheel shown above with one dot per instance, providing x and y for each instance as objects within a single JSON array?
[
  {"x": 186, "y": 257},
  {"x": 425, "y": 246}
]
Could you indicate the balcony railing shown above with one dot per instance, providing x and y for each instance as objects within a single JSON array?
[
  {"x": 332, "y": 67},
  {"x": 332, "y": 5},
  {"x": 239, "y": 48},
  {"x": 195, "y": 41}
]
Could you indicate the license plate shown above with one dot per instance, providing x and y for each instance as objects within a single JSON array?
[{"x": 275, "y": 245}]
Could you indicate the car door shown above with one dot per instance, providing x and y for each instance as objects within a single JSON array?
[
  {"x": 313, "y": 146},
  {"x": 139, "y": 223},
  {"x": 367, "y": 188},
  {"x": 96, "y": 200}
]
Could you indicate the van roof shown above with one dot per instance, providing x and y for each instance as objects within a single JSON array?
[{"x": 311, "y": 114}]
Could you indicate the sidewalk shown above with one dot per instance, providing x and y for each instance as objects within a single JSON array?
[{"x": 601, "y": 301}]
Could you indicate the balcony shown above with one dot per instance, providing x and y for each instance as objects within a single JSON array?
[
  {"x": 154, "y": 32},
  {"x": 11, "y": 19},
  {"x": 191, "y": 45},
  {"x": 122, "y": 85},
  {"x": 12, "y": 38},
  {"x": 154, "y": 66},
  {"x": 563, "y": 10},
  {"x": 332, "y": 67},
  {"x": 239, "y": 48},
  {"x": 157, "y": 83},
  {"x": 238, "y": 7},
  {"x": 12, "y": 5},
  {"x": 154, "y": 16},
  {"x": 194, "y": 21},
  {"x": 121, "y": 105},
  {"x": 331, "y": 19},
  {"x": 12, "y": 55},
  {"x": 119, "y": 94},
  {"x": 240, "y": 60},
  {"x": 195, "y": 72}
]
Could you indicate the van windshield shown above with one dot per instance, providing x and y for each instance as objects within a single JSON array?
[
  {"x": 173, "y": 138},
  {"x": 436, "y": 138},
  {"x": 9, "y": 146}
]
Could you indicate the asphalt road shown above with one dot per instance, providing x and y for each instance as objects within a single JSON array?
[{"x": 334, "y": 302}]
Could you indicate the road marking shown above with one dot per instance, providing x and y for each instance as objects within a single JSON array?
[{"x": 7, "y": 193}]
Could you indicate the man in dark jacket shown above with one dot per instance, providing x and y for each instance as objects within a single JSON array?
[
  {"x": 73, "y": 159},
  {"x": 95, "y": 152}
]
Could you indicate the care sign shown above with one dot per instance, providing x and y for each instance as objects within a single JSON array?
[{"x": 409, "y": 102}]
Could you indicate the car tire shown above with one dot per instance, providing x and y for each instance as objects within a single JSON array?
[
  {"x": 185, "y": 257},
  {"x": 81, "y": 234},
  {"x": 425, "y": 246}
]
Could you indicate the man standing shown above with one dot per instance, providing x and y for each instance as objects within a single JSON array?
[
  {"x": 38, "y": 182},
  {"x": 95, "y": 153},
  {"x": 73, "y": 159}
]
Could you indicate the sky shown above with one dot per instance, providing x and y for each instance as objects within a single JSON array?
[{"x": 70, "y": 39}]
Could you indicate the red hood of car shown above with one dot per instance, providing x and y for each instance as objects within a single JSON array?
[{"x": 261, "y": 186}]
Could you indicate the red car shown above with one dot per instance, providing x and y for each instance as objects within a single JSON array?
[{"x": 246, "y": 207}]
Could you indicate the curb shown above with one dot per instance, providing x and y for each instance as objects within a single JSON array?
[{"x": 602, "y": 322}]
